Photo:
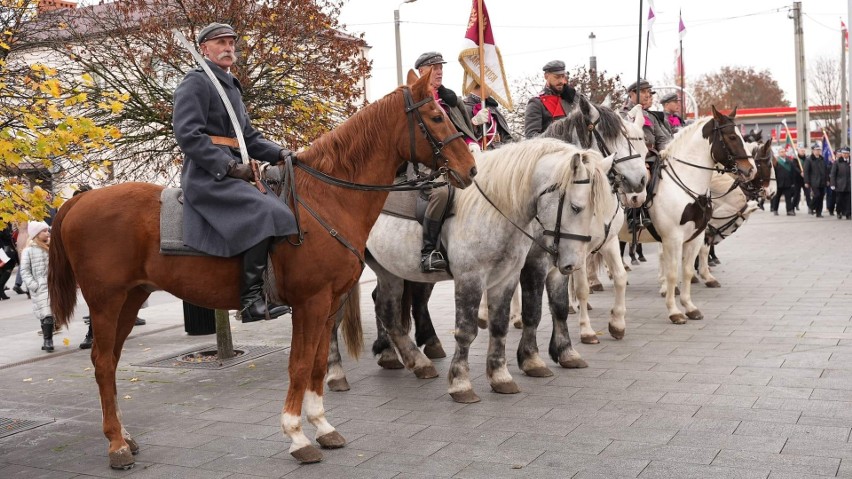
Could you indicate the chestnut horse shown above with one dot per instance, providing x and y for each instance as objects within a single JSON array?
[{"x": 116, "y": 276}]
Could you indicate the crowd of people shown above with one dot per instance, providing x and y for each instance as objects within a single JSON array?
[{"x": 823, "y": 182}]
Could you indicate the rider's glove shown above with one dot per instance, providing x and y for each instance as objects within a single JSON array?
[
  {"x": 474, "y": 148},
  {"x": 481, "y": 118},
  {"x": 241, "y": 171},
  {"x": 284, "y": 154}
]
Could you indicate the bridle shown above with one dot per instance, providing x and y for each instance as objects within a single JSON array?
[
  {"x": 734, "y": 221},
  {"x": 412, "y": 113},
  {"x": 754, "y": 188},
  {"x": 730, "y": 165},
  {"x": 613, "y": 175}
]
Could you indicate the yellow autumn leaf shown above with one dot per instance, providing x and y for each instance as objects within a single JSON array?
[
  {"x": 28, "y": 380},
  {"x": 66, "y": 341},
  {"x": 134, "y": 380}
]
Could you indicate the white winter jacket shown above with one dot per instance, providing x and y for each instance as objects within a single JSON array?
[{"x": 34, "y": 274}]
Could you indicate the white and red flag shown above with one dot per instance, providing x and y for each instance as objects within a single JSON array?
[
  {"x": 652, "y": 15},
  {"x": 469, "y": 57},
  {"x": 845, "y": 35}
]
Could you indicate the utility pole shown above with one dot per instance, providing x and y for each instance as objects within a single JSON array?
[
  {"x": 802, "y": 116},
  {"x": 844, "y": 121},
  {"x": 593, "y": 60},
  {"x": 848, "y": 72}
]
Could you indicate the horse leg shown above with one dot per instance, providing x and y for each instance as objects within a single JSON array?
[
  {"x": 395, "y": 316},
  {"x": 482, "y": 313},
  {"x": 327, "y": 437},
  {"x": 690, "y": 251},
  {"x": 515, "y": 309},
  {"x": 561, "y": 350},
  {"x": 669, "y": 257},
  {"x": 496, "y": 369},
  {"x": 532, "y": 289},
  {"x": 617, "y": 321},
  {"x": 468, "y": 295},
  {"x": 336, "y": 376},
  {"x": 704, "y": 268},
  {"x": 382, "y": 346},
  {"x": 112, "y": 320},
  {"x": 305, "y": 351},
  {"x": 592, "y": 272},
  {"x": 581, "y": 291},
  {"x": 424, "y": 330}
]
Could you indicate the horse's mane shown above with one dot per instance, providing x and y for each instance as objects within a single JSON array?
[
  {"x": 506, "y": 174},
  {"x": 684, "y": 135},
  {"x": 344, "y": 146},
  {"x": 609, "y": 126}
]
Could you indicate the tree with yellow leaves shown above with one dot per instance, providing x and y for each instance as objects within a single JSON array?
[{"x": 41, "y": 129}]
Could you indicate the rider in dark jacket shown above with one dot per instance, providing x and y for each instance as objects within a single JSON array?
[{"x": 552, "y": 103}]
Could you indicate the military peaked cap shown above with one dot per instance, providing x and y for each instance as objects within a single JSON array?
[
  {"x": 669, "y": 98},
  {"x": 555, "y": 66},
  {"x": 429, "y": 58},
  {"x": 642, "y": 85},
  {"x": 216, "y": 30}
]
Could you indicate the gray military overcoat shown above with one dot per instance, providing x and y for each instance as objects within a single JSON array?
[{"x": 222, "y": 216}]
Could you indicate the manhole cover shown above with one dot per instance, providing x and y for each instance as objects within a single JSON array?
[
  {"x": 206, "y": 357},
  {"x": 9, "y": 426}
]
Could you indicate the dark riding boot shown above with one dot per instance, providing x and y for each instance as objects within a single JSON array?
[
  {"x": 47, "y": 331},
  {"x": 252, "y": 304},
  {"x": 4, "y": 276},
  {"x": 431, "y": 260},
  {"x": 87, "y": 341}
]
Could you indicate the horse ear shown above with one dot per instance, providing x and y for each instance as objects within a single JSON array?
[
  {"x": 412, "y": 78},
  {"x": 607, "y": 101},
  {"x": 767, "y": 145},
  {"x": 716, "y": 115},
  {"x": 733, "y": 113},
  {"x": 422, "y": 86}
]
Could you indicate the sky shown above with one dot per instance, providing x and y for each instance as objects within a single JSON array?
[{"x": 529, "y": 33}]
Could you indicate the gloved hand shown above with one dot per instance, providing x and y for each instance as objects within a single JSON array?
[
  {"x": 241, "y": 171},
  {"x": 568, "y": 93},
  {"x": 448, "y": 96},
  {"x": 284, "y": 154},
  {"x": 484, "y": 116},
  {"x": 474, "y": 148}
]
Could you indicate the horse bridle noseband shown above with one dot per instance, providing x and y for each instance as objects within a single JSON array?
[
  {"x": 613, "y": 175},
  {"x": 730, "y": 163},
  {"x": 412, "y": 112},
  {"x": 556, "y": 232}
]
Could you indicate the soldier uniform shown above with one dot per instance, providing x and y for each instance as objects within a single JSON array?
[{"x": 549, "y": 105}]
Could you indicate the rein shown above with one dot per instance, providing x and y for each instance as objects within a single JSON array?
[
  {"x": 731, "y": 223},
  {"x": 556, "y": 232}
]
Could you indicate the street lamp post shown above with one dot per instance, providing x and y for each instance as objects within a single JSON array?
[{"x": 398, "y": 50}]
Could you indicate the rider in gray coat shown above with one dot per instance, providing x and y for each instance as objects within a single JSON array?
[{"x": 223, "y": 214}]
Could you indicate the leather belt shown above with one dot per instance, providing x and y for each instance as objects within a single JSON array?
[{"x": 225, "y": 141}]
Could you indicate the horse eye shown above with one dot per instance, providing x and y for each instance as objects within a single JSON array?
[
  {"x": 438, "y": 118},
  {"x": 576, "y": 209}
]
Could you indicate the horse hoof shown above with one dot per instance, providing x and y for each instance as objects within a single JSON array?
[
  {"x": 506, "y": 388},
  {"x": 616, "y": 333},
  {"x": 694, "y": 315},
  {"x": 482, "y": 323},
  {"x": 307, "y": 455},
  {"x": 338, "y": 385},
  {"x": 332, "y": 440},
  {"x": 426, "y": 372},
  {"x": 390, "y": 363},
  {"x": 596, "y": 287},
  {"x": 122, "y": 459},
  {"x": 693, "y": 280},
  {"x": 518, "y": 324},
  {"x": 539, "y": 372},
  {"x": 574, "y": 363},
  {"x": 465, "y": 397},
  {"x": 678, "y": 318},
  {"x": 434, "y": 350},
  {"x": 131, "y": 443},
  {"x": 677, "y": 290},
  {"x": 593, "y": 339},
  {"x": 571, "y": 310},
  {"x": 713, "y": 284}
]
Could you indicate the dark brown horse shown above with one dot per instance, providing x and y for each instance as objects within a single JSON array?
[{"x": 107, "y": 241}]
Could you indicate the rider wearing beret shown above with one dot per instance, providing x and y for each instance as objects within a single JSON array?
[
  {"x": 552, "y": 103},
  {"x": 223, "y": 214}
]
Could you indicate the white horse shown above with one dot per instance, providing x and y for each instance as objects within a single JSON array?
[
  {"x": 733, "y": 203},
  {"x": 487, "y": 240},
  {"x": 681, "y": 206}
]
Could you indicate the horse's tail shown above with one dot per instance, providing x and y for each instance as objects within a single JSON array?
[
  {"x": 353, "y": 335},
  {"x": 61, "y": 282}
]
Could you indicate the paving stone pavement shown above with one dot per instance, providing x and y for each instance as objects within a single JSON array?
[{"x": 761, "y": 388}]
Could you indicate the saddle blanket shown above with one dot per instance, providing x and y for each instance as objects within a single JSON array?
[
  {"x": 406, "y": 204},
  {"x": 171, "y": 225}
]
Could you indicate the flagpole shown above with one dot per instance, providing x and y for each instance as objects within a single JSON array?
[
  {"x": 639, "y": 62},
  {"x": 483, "y": 87},
  {"x": 647, "y": 43},
  {"x": 682, "y": 96}
]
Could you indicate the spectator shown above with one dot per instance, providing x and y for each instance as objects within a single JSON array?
[
  {"x": 840, "y": 183},
  {"x": 34, "y": 272},
  {"x": 829, "y": 193},
  {"x": 786, "y": 169},
  {"x": 800, "y": 157},
  {"x": 7, "y": 244},
  {"x": 816, "y": 179}
]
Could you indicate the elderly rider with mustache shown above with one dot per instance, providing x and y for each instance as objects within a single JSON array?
[{"x": 223, "y": 213}]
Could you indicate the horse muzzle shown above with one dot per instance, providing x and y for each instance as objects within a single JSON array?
[
  {"x": 458, "y": 180},
  {"x": 634, "y": 200}
]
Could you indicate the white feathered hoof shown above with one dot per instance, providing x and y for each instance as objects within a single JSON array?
[
  {"x": 589, "y": 339},
  {"x": 386, "y": 363},
  {"x": 695, "y": 315},
  {"x": 713, "y": 284},
  {"x": 678, "y": 318},
  {"x": 426, "y": 372},
  {"x": 338, "y": 385},
  {"x": 694, "y": 280},
  {"x": 574, "y": 363}
]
